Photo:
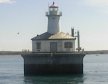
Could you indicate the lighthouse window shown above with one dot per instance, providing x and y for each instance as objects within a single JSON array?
[
  {"x": 51, "y": 9},
  {"x": 38, "y": 44},
  {"x": 55, "y": 9},
  {"x": 68, "y": 45}
]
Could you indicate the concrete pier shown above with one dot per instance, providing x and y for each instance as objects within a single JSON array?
[{"x": 53, "y": 63}]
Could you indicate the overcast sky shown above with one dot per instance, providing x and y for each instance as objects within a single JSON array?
[{"x": 20, "y": 20}]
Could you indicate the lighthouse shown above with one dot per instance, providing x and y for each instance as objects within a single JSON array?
[
  {"x": 53, "y": 52},
  {"x": 53, "y": 19}
]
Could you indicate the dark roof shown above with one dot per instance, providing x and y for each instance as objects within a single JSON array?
[
  {"x": 53, "y": 6},
  {"x": 43, "y": 36},
  {"x": 57, "y": 36}
]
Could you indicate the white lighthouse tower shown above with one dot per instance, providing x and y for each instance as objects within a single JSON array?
[{"x": 53, "y": 19}]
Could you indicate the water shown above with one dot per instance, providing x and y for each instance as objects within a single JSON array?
[{"x": 95, "y": 72}]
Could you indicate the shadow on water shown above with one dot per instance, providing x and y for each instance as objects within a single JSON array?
[{"x": 67, "y": 79}]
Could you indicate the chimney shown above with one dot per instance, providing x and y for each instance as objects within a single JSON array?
[{"x": 72, "y": 32}]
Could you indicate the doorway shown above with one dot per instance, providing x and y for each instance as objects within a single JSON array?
[{"x": 53, "y": 46}]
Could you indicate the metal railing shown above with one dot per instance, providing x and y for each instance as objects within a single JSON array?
[{"x": 53, "y": 13}]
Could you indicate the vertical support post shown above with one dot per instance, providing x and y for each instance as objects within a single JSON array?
[{"x": 78, "y": 37}]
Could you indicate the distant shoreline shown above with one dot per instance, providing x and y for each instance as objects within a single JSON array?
[
  {"x": 10, "y": 52},
  {"x": 20, "y": 52},
  {"x": 97, "y": 52}
]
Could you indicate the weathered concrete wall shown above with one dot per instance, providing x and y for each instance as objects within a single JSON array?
[
  {"x": 52, "y": 69},
  {"x": 45, "y": 45},
  {"x": 35, "y": 64}
]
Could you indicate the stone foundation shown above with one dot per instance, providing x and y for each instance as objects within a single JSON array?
[{"x": 50, "y": 64}]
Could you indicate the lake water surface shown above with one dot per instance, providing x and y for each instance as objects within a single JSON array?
[{"x": 95, "y": 72}]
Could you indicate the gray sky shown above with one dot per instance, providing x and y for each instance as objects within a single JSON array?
[{"x": 27, "y": 17}]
